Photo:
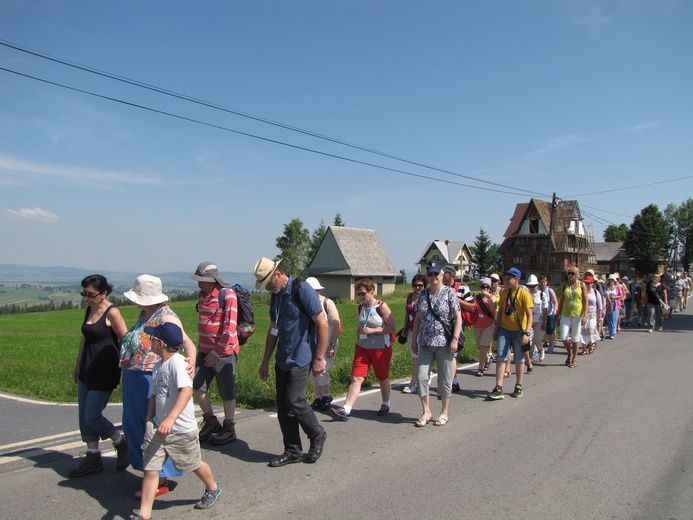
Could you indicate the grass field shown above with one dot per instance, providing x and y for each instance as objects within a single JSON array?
[{"x": 39, "y": 352}]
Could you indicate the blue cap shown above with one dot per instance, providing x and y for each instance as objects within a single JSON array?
[
  {"x": 514, "y": 271},
  {"x": 433, "y": 267},
  {"x": 169, "y": 333}
]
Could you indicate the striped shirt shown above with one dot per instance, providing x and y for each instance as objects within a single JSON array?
[{"x": 216, "y": 327}]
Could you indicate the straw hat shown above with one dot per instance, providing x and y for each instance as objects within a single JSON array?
[{"x": 263, "y": 271}]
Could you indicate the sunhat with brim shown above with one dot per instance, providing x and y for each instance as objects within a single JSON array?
[
  {"x": 590, "y": 271},
  {"x": 485, "y": 281},
  {"x": 263, "y": 271},
  {"x": 207, "y": 272},
  {"x": 532, "y": 280},
  {"x": 495, "y": 277},
  {"x": 613, "y": 277},
  {"x": 146, "y": 291},
  {"x": 168, "y": 332},
  {"x": 313, "y": 282}
]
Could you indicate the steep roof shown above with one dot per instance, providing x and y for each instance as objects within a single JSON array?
[
  {"x": 448, "y": 249},
  {"x": 607, "y": 251},
  {"x": 351, "y": 251}
]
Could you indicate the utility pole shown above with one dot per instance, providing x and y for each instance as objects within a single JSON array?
[{"x": 548, "y": 242}]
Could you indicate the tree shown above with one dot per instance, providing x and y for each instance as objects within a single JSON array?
[
  {"x": 681, "y": 220},
  {"x": 614, "y": 233},
  {"x": 294, "y": 245},
  {"x": 483, "y": 254},
  {"x": 338, "y": 220},
  {"x": 316, "y": 240},
  {"x": 647, "y": 241}
]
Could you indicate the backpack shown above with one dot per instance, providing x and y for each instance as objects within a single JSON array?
[{"x": 245, "y": 326}]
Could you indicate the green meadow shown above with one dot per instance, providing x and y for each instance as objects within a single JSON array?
[{"x": 39, "y": 352}]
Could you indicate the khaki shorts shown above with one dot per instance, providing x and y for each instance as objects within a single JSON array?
[
  {"x": 484, "y": 336},
  {"x": 182, "y": 448}
]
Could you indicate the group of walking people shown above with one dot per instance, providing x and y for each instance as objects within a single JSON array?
[{"x": 160, "y": 435}]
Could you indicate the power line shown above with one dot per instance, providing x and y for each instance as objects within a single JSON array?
[
  {"x": 258, "y": 118},
  {"x": 246, "y": 134}
]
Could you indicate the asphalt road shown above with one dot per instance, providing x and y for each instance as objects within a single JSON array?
[{"x": 609, "y": 439}]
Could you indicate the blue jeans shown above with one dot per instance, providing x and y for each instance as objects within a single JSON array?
[
  {"x": 137, "y": 389},
  {"x": 613, "y": 322},
  {"x": 291, "y": 397},
  {"x": 92, "y": 424}
]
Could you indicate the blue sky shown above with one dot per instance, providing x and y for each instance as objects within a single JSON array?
[{"x": 586, "y": 99}]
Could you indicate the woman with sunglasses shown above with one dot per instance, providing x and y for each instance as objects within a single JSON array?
[
  {"x": 97, "y": 374},
  {"x": 572, "y": 308},
  {"x": 595, "y": 308},
  {"x": 375, "y": 333},
  {"x": 437, "y": 328},
  {"x": 418, "y": 283}
]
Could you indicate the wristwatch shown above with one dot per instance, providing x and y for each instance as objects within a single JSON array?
[{"x": 526, "y": 333}]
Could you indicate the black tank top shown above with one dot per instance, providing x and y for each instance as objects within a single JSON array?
[{"x": 99, "y": 369}]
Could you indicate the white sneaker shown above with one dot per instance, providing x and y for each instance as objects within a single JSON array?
[{"x": 542, "y": 354}]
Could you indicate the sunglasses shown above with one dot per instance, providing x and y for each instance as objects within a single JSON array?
[
  {"x": 570, "y": 274},
  {"x": 361, "y": 294},
  {"x": 89, "y": 295},
  {"x": 418, "y": 285},
  {"x": 485, "y": 286}
]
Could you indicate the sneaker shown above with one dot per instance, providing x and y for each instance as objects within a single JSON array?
[
  {"x": 496, "y": 394},
  {"x": 326, "y": 401},
  {"x": 542, "y": 355},
  {"x": 209, "y": 426},
  {"x": 340, "y": 413},
  {"x": 122, "y": 455},
  {"x": 209, "y": 498},
  {"x": 384, "y": 410},
  {"x": 518, "y": 391},
  {"x": 227, "y": 434},
  {"x": 455, "y": 387},
  {"x": 90, "y": 464},
  {"x": 315, "y": 405}
]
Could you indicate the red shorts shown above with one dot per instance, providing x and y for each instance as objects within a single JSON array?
[{"x": 378, "y": 357}]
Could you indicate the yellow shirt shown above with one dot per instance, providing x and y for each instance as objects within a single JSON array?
[{"x": 521, "y": 301}]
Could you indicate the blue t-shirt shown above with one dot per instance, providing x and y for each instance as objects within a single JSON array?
[{"x": 296, "y": 339}]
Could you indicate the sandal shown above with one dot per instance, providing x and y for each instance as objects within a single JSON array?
[
  {"x": 441, "y": 420},
  {"x": 137, "y": 516},
  {"x": 584, "y": 352},
  {"x": 573, "y": 364},
  {"x": 411, "y": 389},
  {"x": 507, "y": 373},
  {"x": 487, "y": 365},
  {"x": 480, "y": 373},
  {"x": 568, "y": 361},
  {"x": 423, "y": 421}
]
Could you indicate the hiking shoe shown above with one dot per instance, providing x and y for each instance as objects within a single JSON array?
[
  {"x": 91, "y": 464},
  {"x": 227, "y": 434},
  {"x": 496, "y": 393},
  {"x": 210, "y": 425},
  {"x": 315, "y": 405},
  {"x": 518, "y": 391},
  {"x": 340, "y": 413},
  {"x": 209, "y": 498},
  {"x": 123, "y": 457},
  {"x": 326, "y": 401}
]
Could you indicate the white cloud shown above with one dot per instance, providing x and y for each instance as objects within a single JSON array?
[
  {"x": 33, "y": 215},
  {"x": 642, "y": 127},
  {"x": 15, "y": 171},
  {"x": 555, "y": 143}
]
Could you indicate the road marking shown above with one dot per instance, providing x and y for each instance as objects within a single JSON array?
[{"x": 37, "y": 451}]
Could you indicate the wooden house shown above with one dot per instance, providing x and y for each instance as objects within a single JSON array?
[
  {"x": 455, "y": 254},
  {"x": 348, "y": 254}
]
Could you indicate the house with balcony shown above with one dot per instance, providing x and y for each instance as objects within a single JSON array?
[{"x": 546, "y": 238}]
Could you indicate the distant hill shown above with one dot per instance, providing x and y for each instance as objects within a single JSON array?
[{"x": 60, "y": 275}]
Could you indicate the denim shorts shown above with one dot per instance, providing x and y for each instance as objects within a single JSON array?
[{"x": 510, "y": 339}]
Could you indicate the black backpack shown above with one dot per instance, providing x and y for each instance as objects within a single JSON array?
[{"x": 245, "y": 326}]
